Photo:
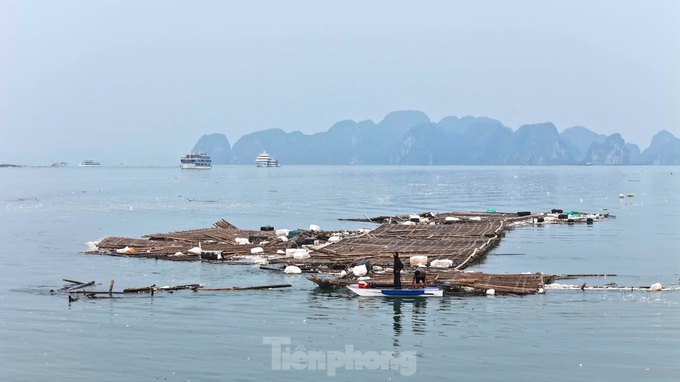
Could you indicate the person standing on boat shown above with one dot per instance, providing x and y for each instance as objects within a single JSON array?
[
  {"x": 398, "y": 266},
  {"x": 418, "y": 278}
]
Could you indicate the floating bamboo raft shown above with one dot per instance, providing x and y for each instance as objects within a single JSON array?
[
  {"x": 460, "y": 237},
  {"x": 454, "y": 282}
]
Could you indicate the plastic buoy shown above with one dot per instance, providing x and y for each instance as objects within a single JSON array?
[
  {"x": 360, "y": 270},
  {"x": 292, "y": 269}
]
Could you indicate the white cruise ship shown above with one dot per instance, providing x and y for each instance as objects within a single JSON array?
[
  {"x": 265, "y": 160},
  {"x": 200, "y": 161},
  {"x": 89, "y": 163}
]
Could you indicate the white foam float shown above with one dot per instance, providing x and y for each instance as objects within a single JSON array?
[
  {"x": 292, "y": 269},
  {"x": 418, "y": 260},
  {"x": 360, "y": 270}
]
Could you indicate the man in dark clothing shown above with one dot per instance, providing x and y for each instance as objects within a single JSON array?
[
  {"x": 418, "y": 278},
  {"x": 398, "y": 266}
]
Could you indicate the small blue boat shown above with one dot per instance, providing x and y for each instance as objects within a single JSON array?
[{"x": 391, "y": 292}]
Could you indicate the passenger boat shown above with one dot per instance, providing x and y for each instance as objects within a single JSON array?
[
  {"x": 265, "y": 160},
  {"x": 366, "y": 291},
  {"x": 89, "y": 163},
  {"x": 198, "y": 161}
]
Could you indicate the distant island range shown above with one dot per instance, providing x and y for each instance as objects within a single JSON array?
[{"x": 411, "y": 138}]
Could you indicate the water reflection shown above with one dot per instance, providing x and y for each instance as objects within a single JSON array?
[
  {"x": 419, "y": 317},
  {"x": 409, "y": 316},
  {"x": 396, "y": 321},
  {"x": 444, "y": 305}
]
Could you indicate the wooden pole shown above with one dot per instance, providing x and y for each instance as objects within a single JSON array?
[
  {"x": 94, "y": 292},
  {"x": 178, "y": 287},
  {"x": 245, "y": 288},
  {"x": 80, "y": 286},
  {"x": 137, "y": 290},
  {"x": 73, "y": 281},
  {"x": 504, "y": 289}
]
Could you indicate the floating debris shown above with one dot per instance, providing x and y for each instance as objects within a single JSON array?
[
  {"x": 656, "y": 287},
  {"x": 74, "y": 295}
]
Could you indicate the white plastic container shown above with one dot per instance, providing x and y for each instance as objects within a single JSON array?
[
  {"x": 442, "y": 263},
  {"x": 418, "y": 260},
  {"x": 282, "y": 232},
  {"x": 256, "y": 250},
  {"x": 301, "y": 254},
  {"x": 360, "y": 270}
]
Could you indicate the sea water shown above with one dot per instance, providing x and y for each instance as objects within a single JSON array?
[{"x": 48, "y": 215}]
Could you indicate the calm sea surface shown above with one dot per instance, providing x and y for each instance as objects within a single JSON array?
[{"x": 47, "y": 216}]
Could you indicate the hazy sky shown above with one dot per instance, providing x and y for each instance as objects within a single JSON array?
[{"x": 138, "y": 82}]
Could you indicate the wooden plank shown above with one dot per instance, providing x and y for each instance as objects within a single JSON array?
[
  {"x": 73, "y": 281},
  {"x": 245, "y": 288},
  {"x": 79, "y": 286},
  {"x": 150, "y": 288}
]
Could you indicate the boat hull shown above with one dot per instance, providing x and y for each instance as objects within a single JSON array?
[
  {"x": 195, "y": 167},
  {"x": 89, "y": 164},
  {"x": 391, "y": 292},
  {"x": 264, "y": 160},
  {"x": 196, "y": 161}
]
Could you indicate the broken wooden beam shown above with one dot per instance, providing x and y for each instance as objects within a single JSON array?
[
  {"x": 73, "y": 281},
  {"x": 179, "y": 287},
  {"x": 503, "y": 289},
  {"x": 94, "y": 292},
  {"x": 579, "y": 275},
  {"x": 245, "y": 288},
  {"x": 139, "y": 290},
  {"x": 79, "y": 286}
]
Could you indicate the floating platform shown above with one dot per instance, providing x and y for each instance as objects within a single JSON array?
[
  {"x": 453, "y": 282},
  {"x": 445, "y": 243},
  {"x": 459, "y": 237}
]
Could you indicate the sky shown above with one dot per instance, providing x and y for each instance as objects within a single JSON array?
[{"x": 139, "y": 82}]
